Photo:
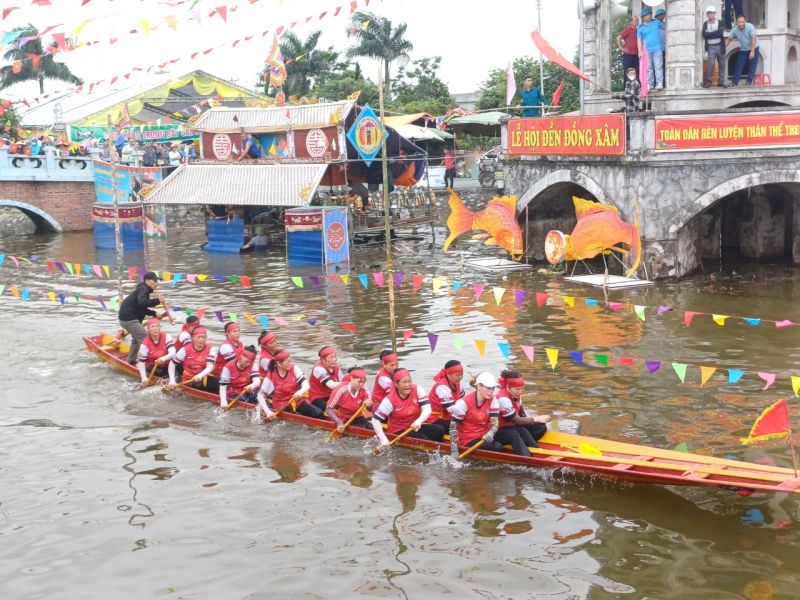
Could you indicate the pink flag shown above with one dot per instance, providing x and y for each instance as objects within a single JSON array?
[
  {"x": 511, "y": 84},
  {"x": 643, "y": 72}
]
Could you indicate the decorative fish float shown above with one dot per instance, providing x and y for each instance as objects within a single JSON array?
[
  {"x": 498, "y": 221},
  {"x": 599, "y": 230}
]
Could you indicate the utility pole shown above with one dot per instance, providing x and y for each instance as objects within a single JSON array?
[
  {"x": 387, "y": 212},
  {"x": 581, "y": 49}
]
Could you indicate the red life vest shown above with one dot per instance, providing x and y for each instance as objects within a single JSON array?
[
  {"x": 437, "y": 410},
  {"x": 343, "y": 402},
  {"x": 240, "y": 378},
  {"x": 155, "y": 350},
  {"x": 475, "y": 423},
  {"x": 265, "y": 355},
  {"x": 238, "y": 348},
  {"x": 285, "y": 388},
  {"x": 404, "y": 410},
  {"x": 195, "y": 361},
  {"x": 317, "y": 389},
  {"x": 378, "y": 393},
  {"x": 180, "y": 343}
]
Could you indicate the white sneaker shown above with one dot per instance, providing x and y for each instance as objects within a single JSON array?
[{"x": 659, "y": 87}]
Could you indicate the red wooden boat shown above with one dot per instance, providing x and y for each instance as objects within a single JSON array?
[{"x": 619, "y": 460}]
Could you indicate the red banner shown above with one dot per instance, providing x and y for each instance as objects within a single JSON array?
[
  {"x": 722, "y": 132},
  {"x": 596, "y": 135}
]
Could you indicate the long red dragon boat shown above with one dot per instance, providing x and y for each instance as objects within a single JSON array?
[{"x": 618, "y": 460}]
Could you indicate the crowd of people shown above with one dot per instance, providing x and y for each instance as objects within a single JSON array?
[{"x": 265, "y": 376}]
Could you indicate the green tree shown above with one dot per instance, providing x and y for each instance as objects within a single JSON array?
[
  {"x": 376, "y": 37},
  {"x": 617, "y": 76},
  {"x": 47, "y": 68},
  {"x": 305, "y": 64},
  {"x": 493, "y": 89},
  {"x": 420, "y": 89},
  {"x": 9, "y": 119},
  {"x": 344, "y": 80}
]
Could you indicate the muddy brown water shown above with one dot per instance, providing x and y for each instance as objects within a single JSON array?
[{"x": 111, "y": 492}]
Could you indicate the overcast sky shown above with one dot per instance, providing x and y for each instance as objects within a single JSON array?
[{"x": 471, "y": 37}]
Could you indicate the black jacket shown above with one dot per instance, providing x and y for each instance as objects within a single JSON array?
[
  {"x": 138, "y": 304},
  {"x": 710, "y": 35}
]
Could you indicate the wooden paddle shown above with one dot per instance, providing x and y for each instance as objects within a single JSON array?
[
  {"x": 167, "y": 389},
  {"x": 234, "y": 401},
  {"x": 152, "y": 374},
  {"x": 336, "y": 432},
  {"x": 396, "y": 439},
  {"x": 470, "y": 450}
]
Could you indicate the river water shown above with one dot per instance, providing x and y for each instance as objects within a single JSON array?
[{"x": 112, "y": 492}]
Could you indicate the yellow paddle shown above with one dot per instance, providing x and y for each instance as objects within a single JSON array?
[
  {"x": 336, "y": 432},
  {"x": 152, "y": 374},
  {"x": 470, "y": 450},
  {"x": 396, "y": 439},
  {"x": 234, "y": 401}
]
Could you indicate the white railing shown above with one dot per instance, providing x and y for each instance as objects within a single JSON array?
[{"x": 44, "y": 167}]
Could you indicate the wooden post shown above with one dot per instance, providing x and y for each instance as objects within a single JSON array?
[
  {"x": 117, "y": 229},
  {"x": 387, "y": 213}
]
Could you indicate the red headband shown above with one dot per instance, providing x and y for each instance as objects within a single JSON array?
[
  {"x": 199, "y": 331},
  {"x": 266, "y": 339},
  {"x": 359, "y": 374},
  {"x": 399, "y": 374},
  {"x": 327, "y": 351},
  {"x": 281, "y": 356},
  {"x": 389, "y": 358},
  {"x": 153, "y": 321},
  {"x": 455, "y": 370},
  {"x": 513, "y": 382},
  {"x": 249, "y": 354},
  {"x": 229, "y": 325}
]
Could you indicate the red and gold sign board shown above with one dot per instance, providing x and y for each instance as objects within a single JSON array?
[
  {"x": 594, "y": 135},
  {"x": 726, "y": 132},
  {"x": 307, "y": 220}
]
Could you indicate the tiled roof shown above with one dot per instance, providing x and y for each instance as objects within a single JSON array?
[
  {"x": 262, "y": 120},
  {"x": 244, "y": 185}
]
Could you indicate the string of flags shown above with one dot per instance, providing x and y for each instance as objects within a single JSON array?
[{"x": 551, "y": 358}]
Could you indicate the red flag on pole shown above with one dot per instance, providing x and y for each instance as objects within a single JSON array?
[
  {"x": 554, "y": 56},
  {"x": 557, "y": 95},
  {"x": 773, "y": 422}
]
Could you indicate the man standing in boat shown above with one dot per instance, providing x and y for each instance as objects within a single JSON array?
[{"x": 135, "y": 308}]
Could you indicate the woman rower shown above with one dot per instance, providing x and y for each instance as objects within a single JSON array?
[
  {"x": 156, "y": 348},
  {"x": 198, "y": 362},
  {"x": 475, "y": 418},
  {"x": 512, "y": 413},
  {"x": 383, "y": 380},
  {"x": 405, "y": 407},
  {"x": 325, "y": 376},
  {"x": 269, "y": 345},
  {"x": 185, "y": 336},
  {"x": 230, "y": 348},
  {"x": 347, "y": 398},
  {"x": 445, "y": 391},
  {"x": 239, "y": 378},
  {"x": 285, "y": 384}
]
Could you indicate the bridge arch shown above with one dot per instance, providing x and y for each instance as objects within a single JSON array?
[
  {"x": 562, "y": 176},
  {"x": 42, "y": 220}
]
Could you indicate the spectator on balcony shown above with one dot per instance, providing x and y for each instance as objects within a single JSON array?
[
  {"x": 732, "y": 9},
  {"x": 250, "y": 147},
  {"x": 745, "y": 34},
  {"x": 713, "y": 36},
  {"x": 626, "y": 41},
  {"x": 649, "y": 37},
  {"x": 150, "y": 155},
  {"x": 532, "y": 99},
  {"x": 660, "y": 15}
]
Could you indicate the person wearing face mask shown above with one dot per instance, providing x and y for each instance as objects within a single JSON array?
[
  {"x": 632, "y": 90},
  {"x": 713, "y": 36}
]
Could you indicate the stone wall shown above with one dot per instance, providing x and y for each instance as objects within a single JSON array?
[{"x": 68, "y": 204}]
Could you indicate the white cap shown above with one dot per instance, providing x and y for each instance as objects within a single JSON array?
[
  {"x": 711, "y": 8},
  {"x": 486, "y": 379}
]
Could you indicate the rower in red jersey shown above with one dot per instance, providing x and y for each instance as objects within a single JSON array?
[
  {"x": 185, "y": 336},
  {"x": 284, "y": 383},
  {"x": 198, "y": 362},
  {"x": 445, "y": 391},
  {"x": 269, "y": 345},
  {"x": 513, "y": 415},
  {"x": 347, "y": 398},
  {"x": 230, "y": 348},
  {"x": 405, "y": 407},
  {"x": 383, "y": 380},
  {"x": 475, "y": 417},
  {"x": 325, "y": 376},
  {"x": 239, "y": 377},
  {"x": 155, "y": 348}
]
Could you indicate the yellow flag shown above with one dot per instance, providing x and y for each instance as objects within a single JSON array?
[
  {"x": 438, "y": 282},
  {"x": 552, "y": 356},
  {"x": 201, "y": 277},
  {"x": 77, "y": 267},
  {"x": 366, "y": 24},
  {"x": 344, "y": 278},
  {"x": 250, "y": 317},
  {"x": 107, "y": 271},
  {"x": 796, "y": 385},
  {"x": 481, "y": 347},
  {"x": 355, "y": 95},
  {"x": 171, "y": 22},
  {"x": 498, "y": 294},
  {"x": 146, "y": 26},
  {"x": 273, "y": 151},
  {"x": 569, "y": 300},
  {"x": 719, "y": 319},
  {"x": 81, "y": 25},
  {"x": 52, "y": 296},
  {"x": 706, "y": 373}
]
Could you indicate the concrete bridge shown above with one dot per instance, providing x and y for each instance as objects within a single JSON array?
[{"x": 56, "y": 193}]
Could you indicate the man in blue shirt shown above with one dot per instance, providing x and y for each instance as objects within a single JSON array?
[
  {"x": 649, "y": 36},
  {"x": 532, "y": 99},
  {"x": 745, "y": 34},
  {"x": 249, "y": 147}
]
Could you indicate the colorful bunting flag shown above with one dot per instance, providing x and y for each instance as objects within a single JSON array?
[
  {"x": 505, "y": 349},
  {"x": 680, "y": 370},
  {"x": 398, "y": 278},
  {"x": 719, "y": 319},
  {"x": 734, "y": 375},
  {"x": 363, "y": 279},
  {"x": 577, "y": 357},
  {"x": 437, "y": 283},
  {"x": 458, "y": 342},
  {"x": 625, "y": 360},
  {"x": 615, "y": 306},
  {"x": 298, "y": 281},
  {"x": 218, "y": 314},
  {"x": 349, "y": 327},
  {"x": 662, "y": 309},
  {"x": 480, "y": 345},
  {"x": 590, "y": 302},
  {"x": 477, "y": 289},
  {"x": 601, "y": 359},
  {"x": 529, "y": 352},
  {"x": 796, "y": 385},
  {"x": 457, "y": 286},
  {"x": 541, "y": 299},
  {"x": 245, "y": 281},
  {"x": 752, "y": 321},
  {"x": 773, "y": 422},
  {"x": 639, "y": 310},
  {"x": 652, "y": 365},
  {"x": 769, "y": 378},
  {"x": 519, "y": 297},
  {"x": 498, "y": 294},
  {"x": 706, "y": 373},
  {"x": 378, "y": 278},
  {"x": 784, "y": 323},
  {"x": 432, "y": 339},
  {"x": 417, "y": 282},
  {"x": 552, "y": 357},
  {"x": 688, "y": 316},
  {"x": 233, "y": 317},
  {"x": 569, "y": 300},
  {"x": 344, "y": 278},
  {"x": 264, "y": 320},
  {"x": 682, "y": 447},
  {"x": 407, "y": 333}
]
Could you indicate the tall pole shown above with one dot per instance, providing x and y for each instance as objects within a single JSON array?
[
  {"x": 387, "y": 212},
  {"x": 117, "y": 231},
  {"x": 541, "y": 60},
  {"x": 581, "y": 50}
]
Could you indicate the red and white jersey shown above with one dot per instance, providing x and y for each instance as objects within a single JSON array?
[
  {"x": 381, "y": 387},
  {"x": 184, "y": 338},
  {"x": 473, "y": 420},
  {"x": 194, "y": 361},
  {"x": 227, "y": 351},
  {"x": 320, "y": 376},
  {"x": 281, "y": 389},
  {"x": 509, "y": 407},
  {"x": 344, "y": 402},
  {"x": 235, "y": 378},
  {"x": 398, "y": 413},
  {"x": 264, "y": 361},
  {"x": 442, "y": 396},
  {"x": 150, "y": 351}
]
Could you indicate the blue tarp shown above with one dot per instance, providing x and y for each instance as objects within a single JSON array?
[{"x": 224, "y": 236}]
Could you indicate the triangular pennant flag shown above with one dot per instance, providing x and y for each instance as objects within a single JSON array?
[
  {"x": 615, "y": 306},
  {"x": 314, "y": 281},
  {"x": 132, "y": 272},
  {"x": 264, "y": 320},
  {"x": 345, "y": 278},
  {"x": 498, "y": 294},
  {"x": 480, "y": 346},
  {"x": 552, "y": 357},
  {"x": 796, "y": 385},
  {"x": 773, "y": 422},
  {"x": 458, "y": 342},
  {"x": 364, "y": 280},
  {"x": 477, "y": 289},
  {"x": 233, "y": 317},
  {"x": 590, "y": 302},
  {"x": 577, "y": 357},
  {"x": 652, "y": 365},
  {"x": 541, "y": 299},
  {"x": 201, "y": 277},
  {"x": 407, "y": 333},
  {"x": 59, "y": 266},
  {"x": 569, "y": 301},
  {"x": 639, "y": 310},
  {"x": 682, "y": 447},
  {"x": 15, "y": 292},
  {"x": 298, "y": 281},
  {"x": 200, "y": 313},
  {"x": 51, "y": 266},
  {"x": 688, "y": 316},
  {"x": 529, "y": 352},
  {"x": 281, "y": 321},
  {"x": 398, "y": 278},
  {"x": 680, "y": 370},
  {"x": 625, "y": 360},
  {"x": 782, "y": 324},
  {"x": 769, "y": 378},
  {"x": 662, "y": 309},
  {"x": 457, "y": 286},
  {"x": 2, "y": 289},
  {"x": 719, "y": 319},
  {"x": 519, "y": 297},
  {"x": 107, "y": 271},
  {"x": 245, "y": 281},
  {"x": 26, "y": 294},
  {"x": 231, "y": 278},
  {"x": 102, "y": 303},
  {"x": 504, "y": 348},
  {"x": 706, "y": 373},
  {"x": 378, "y": 278},
  {"x": 218, "y": 314},
  {"x": 752, "y": 321},
  {"x": 602, "y": 359},
  {"x": 114, "y": 304},
  {"x": 432, "y": 339},
  {"x": 176, "y": 277},
  {"x": 166, "y": 276},
  {"x": 734, "y": 375},
  {"x": 418, "y": 282},
  {"x": 349, "y": 327},
  {"x": 70, "y": 269},
  {"x": 437, "y": 283},
  {"x": 61, "y": 299},
  {"x": 52, "y": 296}
]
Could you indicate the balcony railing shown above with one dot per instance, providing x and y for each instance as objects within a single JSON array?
[{"x": 44, "y": 167}]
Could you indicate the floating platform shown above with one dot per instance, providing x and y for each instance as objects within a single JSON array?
[
  {"x": 612, "y": 282},
  {"x": 500, "y": 265}
]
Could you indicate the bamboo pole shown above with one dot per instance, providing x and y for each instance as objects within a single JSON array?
[
  {"x": 117, "y": 227},
  {"x": 387, "y": 213}
]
